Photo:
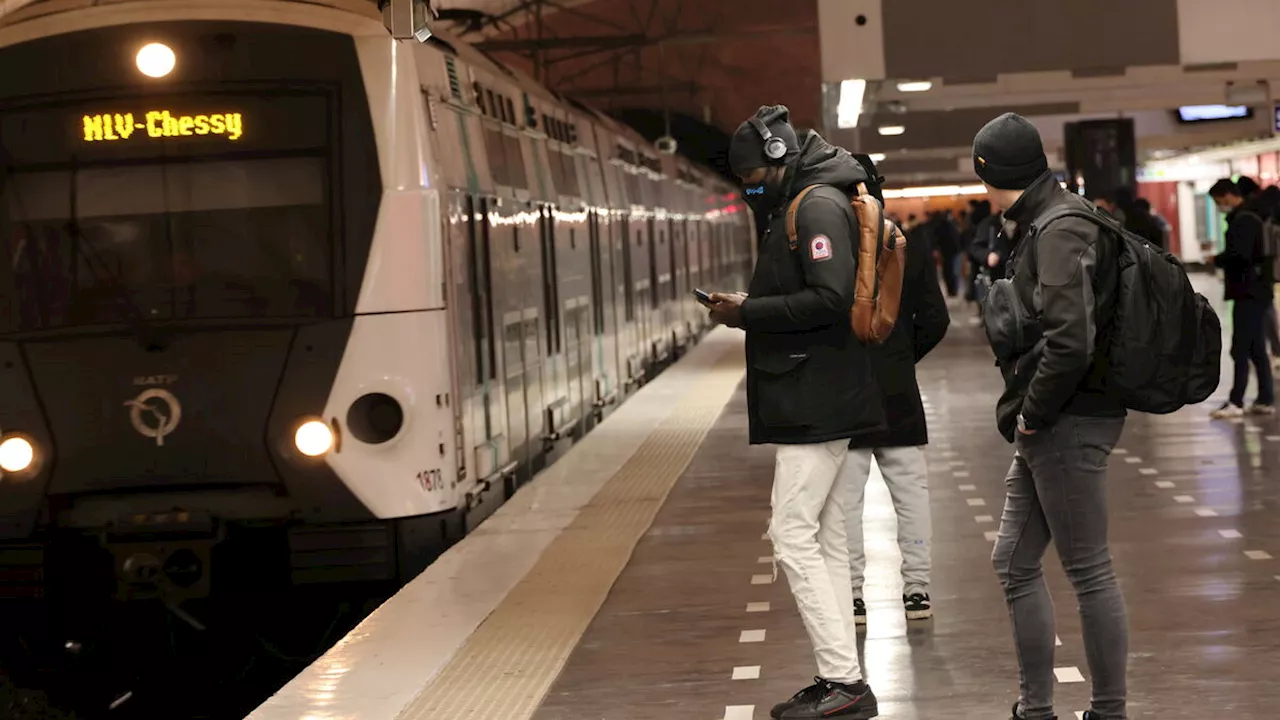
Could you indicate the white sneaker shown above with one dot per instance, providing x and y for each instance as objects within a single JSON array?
[
  {"x": 1260, "y": 409},
  {"x": 1227, "y": 411}
]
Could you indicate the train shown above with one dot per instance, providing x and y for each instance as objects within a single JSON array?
[{"x": 289, "y": 301}]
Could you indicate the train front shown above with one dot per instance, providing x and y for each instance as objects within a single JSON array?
[{"x": 187, "y": 215}]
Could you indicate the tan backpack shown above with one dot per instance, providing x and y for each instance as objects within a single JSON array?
[{"x": 882, "y": 260}]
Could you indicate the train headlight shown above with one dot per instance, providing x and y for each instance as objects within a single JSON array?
[
  {"x": 156, "y": 60},
  {"x": 16, "y": 454},
  {"x": 313, "y": 438}
]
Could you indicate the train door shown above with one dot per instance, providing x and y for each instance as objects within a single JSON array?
[
  {"x": 511, "y": 264},
  {"x": 603, "y": 393},
  {"x": 636, "y": 265},
  {"x": 555, "y": 380},
  {"x": 481, "y": 391},
  {"x": 680, "y": 319},
  {"x": 657, "y": 337}
]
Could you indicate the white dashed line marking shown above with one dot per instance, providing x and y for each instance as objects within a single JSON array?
[
  {"x": 1068, "y": 675},
  {"x": 966, "y": 488},
  {"x": 960, "y": 473},
  {"x": 1133, "y": 460},
  {"x": 758, "y": 607},
  {"x": 751, "y": 636},
  {"x": 764, "y": 559},
  {"x": 1183, "y": 499},
  {"x": 739, "y": 712},
  {"x": 1148, "y": 471},
  {"x": 1230, "y": 534},
  {"x": 1273, "y": 438},
  {"x": 983, "y": 519},
  {"x": 976, "y": 502},
  {"x": 991, "y": 535},
  {"x": 1165, "y": 484},
  {"x": 1119, "y": 451},
  {"x": 1257, "y": 554},
  {"x": 746, "y": 672},
  {"x": 761, "y": 579},
  {"x": 1206, "y": 512}
]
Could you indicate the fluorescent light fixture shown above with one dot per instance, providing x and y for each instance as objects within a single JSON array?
[
  {"x": 892, "y": 129},
  {"x": 915, "y": 86},
  {"x": 850, "y": 106},
  {"x": 1205, "y": 113},
  {"x": 935, "y": 191},
  {"x": 876, "y": 157}
]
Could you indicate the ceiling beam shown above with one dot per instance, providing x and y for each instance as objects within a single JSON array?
[
  {"x": 618, "y": 91},
  {"x": 611, "y": 42}
]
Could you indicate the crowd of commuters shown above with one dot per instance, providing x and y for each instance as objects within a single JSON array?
[{"x": 832, "y": 402}]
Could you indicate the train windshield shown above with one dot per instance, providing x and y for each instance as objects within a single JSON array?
[{"x": 170, "y": 211}]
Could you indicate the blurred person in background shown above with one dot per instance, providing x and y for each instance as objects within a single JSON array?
[{"x": 1248, "y": 285}]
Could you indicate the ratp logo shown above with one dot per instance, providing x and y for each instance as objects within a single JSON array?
[{"x": 155, "y": 413}]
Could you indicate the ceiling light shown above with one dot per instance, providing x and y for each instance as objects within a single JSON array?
[
  {"x": 892, "y": 130},
  {"x": 155, "y": 60},
  {"x": 850, "y": 105},
  {"x": 934, "y": 191},
  {"x": 915, "y": 86},
  {"x": 876, "y": 157}
]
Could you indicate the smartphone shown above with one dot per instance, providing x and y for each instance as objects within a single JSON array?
[{"x": 702, "y": 296}]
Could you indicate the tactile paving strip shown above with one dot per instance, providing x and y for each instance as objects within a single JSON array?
[{"x": 506, "y": 667}]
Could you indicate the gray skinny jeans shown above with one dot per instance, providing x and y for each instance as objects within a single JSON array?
[{"x": 1056, "y": 490}]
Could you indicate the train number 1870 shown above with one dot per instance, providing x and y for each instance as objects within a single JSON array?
[{"x": 431, "y": 480}]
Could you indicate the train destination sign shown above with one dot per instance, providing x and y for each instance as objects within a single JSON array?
[{"x": 115, "y": 127}]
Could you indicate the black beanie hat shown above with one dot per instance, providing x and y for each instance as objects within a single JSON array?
[
  {"x": 1008, "y": 153},
  {"x": 746, "y": 148}
]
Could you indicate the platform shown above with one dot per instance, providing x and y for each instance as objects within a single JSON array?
[{"x": 631, "y": 581}]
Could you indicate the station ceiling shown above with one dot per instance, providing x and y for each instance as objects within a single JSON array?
[{"x": 714, "y": 60}]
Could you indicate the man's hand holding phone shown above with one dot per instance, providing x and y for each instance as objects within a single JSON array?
[{"x": 726, "y": 308}]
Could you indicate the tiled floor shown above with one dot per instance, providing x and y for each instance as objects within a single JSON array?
[{"x": 694, "y": 629}]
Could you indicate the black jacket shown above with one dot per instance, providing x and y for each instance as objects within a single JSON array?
[
  {"x": 922, "y": 323},
  {"x": 1244, "y": 277},
  {"x": 1068, "y": 277},
  {"x": 809, "y": 379}
]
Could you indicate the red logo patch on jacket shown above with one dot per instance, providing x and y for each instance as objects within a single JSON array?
[{"x": 820, "y": 248}]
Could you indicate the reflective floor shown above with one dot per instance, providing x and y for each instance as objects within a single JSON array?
[{"x": 694, "y": 628}]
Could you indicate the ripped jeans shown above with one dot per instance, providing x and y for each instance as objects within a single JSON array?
[{"x": 810, "y": 503}]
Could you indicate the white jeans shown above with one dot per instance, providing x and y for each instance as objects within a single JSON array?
[
  {"x": 907, "y": 478},
  {"x": 810, "y": 497}
]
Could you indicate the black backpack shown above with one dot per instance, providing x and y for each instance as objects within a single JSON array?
[{"x": 1165, "y": 340}]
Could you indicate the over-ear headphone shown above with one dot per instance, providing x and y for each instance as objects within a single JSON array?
[{"x": 775, "y": 148}]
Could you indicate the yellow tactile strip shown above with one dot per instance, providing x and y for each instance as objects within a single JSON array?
[{"x": 506, "y": 667}]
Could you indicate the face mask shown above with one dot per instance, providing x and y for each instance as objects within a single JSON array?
[{"x": 761, "y": 196}]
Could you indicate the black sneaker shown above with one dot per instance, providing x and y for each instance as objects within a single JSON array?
[
  {"x": 1019, "y": 716},
  {"x": 859, "y": 612},
  {"x": 917, "y": 606},
  {"x": 825, "y": 699}
]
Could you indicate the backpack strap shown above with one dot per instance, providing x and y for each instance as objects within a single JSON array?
[{"x": 793, "y": 210}]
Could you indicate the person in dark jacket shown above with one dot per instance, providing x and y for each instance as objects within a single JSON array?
[
  {"x": 1248, "y": 285},
  {"x": 810, "y": 384},
  {"x": 1059, "y": 415},
  {"x": 899, "y": 450}
]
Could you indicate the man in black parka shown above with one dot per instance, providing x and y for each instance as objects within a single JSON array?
[
  {"x": 899, "y": 451},
  {"x": 810, "y": 384}
]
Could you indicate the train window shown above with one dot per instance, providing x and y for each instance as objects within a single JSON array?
[
  {"x": 516, "y": 173},
  {"x": 556, "y": 170},
  {"x": 511, "y": 111},
  {"x": 569, "y": 171},
  {"x": 515, "y": 238},
  {"x": 573, "y": 238},
  {"x": 512, "y": 343},
  {"x": 209, "y": 240},
  {"x": 495, "y": 149},
  {"x": 490, "y": 105}
]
